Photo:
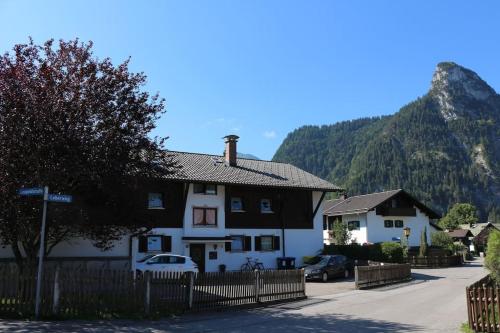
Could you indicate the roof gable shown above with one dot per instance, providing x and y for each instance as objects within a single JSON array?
[{"x": 364, "y": 203}]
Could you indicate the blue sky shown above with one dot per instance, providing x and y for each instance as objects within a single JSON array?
[{"x": 260, "y": 69}]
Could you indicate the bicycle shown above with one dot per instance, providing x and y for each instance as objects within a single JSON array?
[{"x": 252, "y": 265}]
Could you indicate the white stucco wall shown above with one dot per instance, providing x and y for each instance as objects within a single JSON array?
[
  {"x": 378, "y": 233},
  {"x": 357, "y": 236},
  {"x": 306, "y": 242}
]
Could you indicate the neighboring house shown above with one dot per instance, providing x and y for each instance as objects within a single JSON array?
[
  {"x": 219, "y": 210},
  {"x": 379, "y": 217},
  {"x": 463, "y": 236},
  {"x": 481, "y": 232}
]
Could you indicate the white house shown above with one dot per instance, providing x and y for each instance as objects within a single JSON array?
[
  {"x": 219, "y": 210},
  {"x": 379, "y": 217}
]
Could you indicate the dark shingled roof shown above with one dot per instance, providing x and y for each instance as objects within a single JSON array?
[
  {"x": 331, "y": 203},
  {"x": 460, "y": 233},
  {"x": 205, "y": 168},
  {"x": 367, "y": 202}
]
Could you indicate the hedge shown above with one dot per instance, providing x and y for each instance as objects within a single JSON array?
[{"x": 383, "y": 252}]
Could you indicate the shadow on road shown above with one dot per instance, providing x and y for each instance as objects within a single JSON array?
[
  {"x": 244, "y": 321},
  {"x": 424, "y": 277}
]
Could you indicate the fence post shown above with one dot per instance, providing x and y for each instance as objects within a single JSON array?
[
  {"x": 356, "y": 277},
  {"x": 55, "y": 303},
  {"x": 147, "y": 298},
  {"x": 190, "y": 290},
  {"x": 256, "y": 286}
]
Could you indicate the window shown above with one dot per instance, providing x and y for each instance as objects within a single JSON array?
[
  {"x": 353, "y": 225},
  {"x": 172, "y": 260},
  {"x": 388, "y": 223},
  {"x": 204, "y": 216},
  {"x": 398, "y": 223},
  {"x": 210, "y": 189},
  {"x": 239, "y": 243},
  {"x": 155, "y": 201},
  {"x": 266, "y": 206},
  {"x": 236, "y": 204},
  {"x": 212, "y": 255},
  {"x": 155, "y": 243},
  {"x": 266, "y": 243}
]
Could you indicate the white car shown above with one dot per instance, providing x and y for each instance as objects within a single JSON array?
[{"x": 166, "y": 263}]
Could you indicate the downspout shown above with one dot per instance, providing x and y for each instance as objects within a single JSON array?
[{"x": 282, "y": 220}]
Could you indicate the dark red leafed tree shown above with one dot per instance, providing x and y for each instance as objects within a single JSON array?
[{"x": 79, "y": 125}]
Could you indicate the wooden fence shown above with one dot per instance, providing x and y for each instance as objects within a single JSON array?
[
  {"x": 483, "y": 305},
  {"x": 379, "y": 274},
  {"x": 115, "y": 293},
  {"x": 435, "y": 261}
]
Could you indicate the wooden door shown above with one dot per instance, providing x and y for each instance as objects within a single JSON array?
[{"x": 197, "y": 253}]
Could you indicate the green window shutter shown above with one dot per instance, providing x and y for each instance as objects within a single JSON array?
[
  {"x": 247, "y": 245},
  {"x": 257, "y": 243},
  {"x": 276, "y": 243},
  {"x": 143, "y": 244},
  {"x": 166, "y": 243}
]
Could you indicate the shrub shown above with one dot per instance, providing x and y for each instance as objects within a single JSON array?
[
  {"x": 492, "y": 261},
  {"x": 442, "y": 239},
  {"x": 392, "y": 252}
]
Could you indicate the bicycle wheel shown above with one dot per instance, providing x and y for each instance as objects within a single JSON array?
[
  {"x": 259, "y": 266},
  {"x": 246, "y": 267}
]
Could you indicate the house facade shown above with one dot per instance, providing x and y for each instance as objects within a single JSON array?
[
  {"x": 379, "y": 217},
  {"x": 219, "y": 210}
]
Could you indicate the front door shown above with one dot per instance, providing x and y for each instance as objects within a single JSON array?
[{"x": 197, "y": 253}]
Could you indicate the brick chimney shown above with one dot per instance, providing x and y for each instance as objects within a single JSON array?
[{"x": 230, "y": 151}]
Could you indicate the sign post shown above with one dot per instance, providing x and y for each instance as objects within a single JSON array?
[
  {"x": 41, "y": 253},
  {"x": 37, "y": 191}
]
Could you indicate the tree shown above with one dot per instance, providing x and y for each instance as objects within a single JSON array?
[
  {"x": 79, "y": 125},
  {"x": 492, "y": 261},
  {"x": 341, "y": 233},
  {"x": 460, "y": 213},
  {"x": 423, "y": 243},
  {"x": 441, "y": 239}
]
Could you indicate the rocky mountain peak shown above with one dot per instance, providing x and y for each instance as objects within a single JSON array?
[{"x": 455, "y": 87}]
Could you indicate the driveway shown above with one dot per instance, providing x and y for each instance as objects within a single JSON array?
[{"x": 433, "y": 302}]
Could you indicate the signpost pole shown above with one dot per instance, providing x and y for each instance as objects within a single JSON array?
[{"x": 41, "y": 253}]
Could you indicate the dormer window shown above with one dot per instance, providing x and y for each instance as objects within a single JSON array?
[
  {"x": 155, "y": 201},
  {"x": 266, "y": 206},
  {"x": 236, "y": 204},
  {"x": 209, "y": 189}
]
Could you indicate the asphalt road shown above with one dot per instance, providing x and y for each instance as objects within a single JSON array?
[{"x": 433, "y": 302}]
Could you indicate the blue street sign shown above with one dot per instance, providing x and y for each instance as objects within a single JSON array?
[
  {"x": 31, "y": 191},
  {"x": 60, "y": 198}
]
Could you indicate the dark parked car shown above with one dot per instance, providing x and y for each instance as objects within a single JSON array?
[{"x": 328, "y": 266}]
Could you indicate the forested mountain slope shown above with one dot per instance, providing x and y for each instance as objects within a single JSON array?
[{"x": 444, "y": 147}]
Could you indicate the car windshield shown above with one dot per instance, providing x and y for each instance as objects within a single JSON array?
[
  {"x": 149, "y": 256},
  {"x": 323, "y": 261}
]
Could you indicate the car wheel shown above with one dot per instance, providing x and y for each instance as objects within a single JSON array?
[
  {"x": 324, "y": 277},
  {"x": 346, "y": 273}
]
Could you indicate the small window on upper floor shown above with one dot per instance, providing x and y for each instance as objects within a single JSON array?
[
  {"x": 210, "y": 189},
  {"x": 236, "y": 204},
  {"x": 155, "y": 201},
  {"x": 398, "y": 223},
  {"x": 266, "y": 206},
  {"x": 389, "y": 223}
]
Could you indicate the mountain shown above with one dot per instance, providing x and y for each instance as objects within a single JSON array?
[
  {"x": 248, "y": 156},
  {"x": 444, "y": 147}
]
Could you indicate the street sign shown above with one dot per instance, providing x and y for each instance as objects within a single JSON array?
[
  {"x": 31, "y": 191},
  {"x": 60, "y": 198}
]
